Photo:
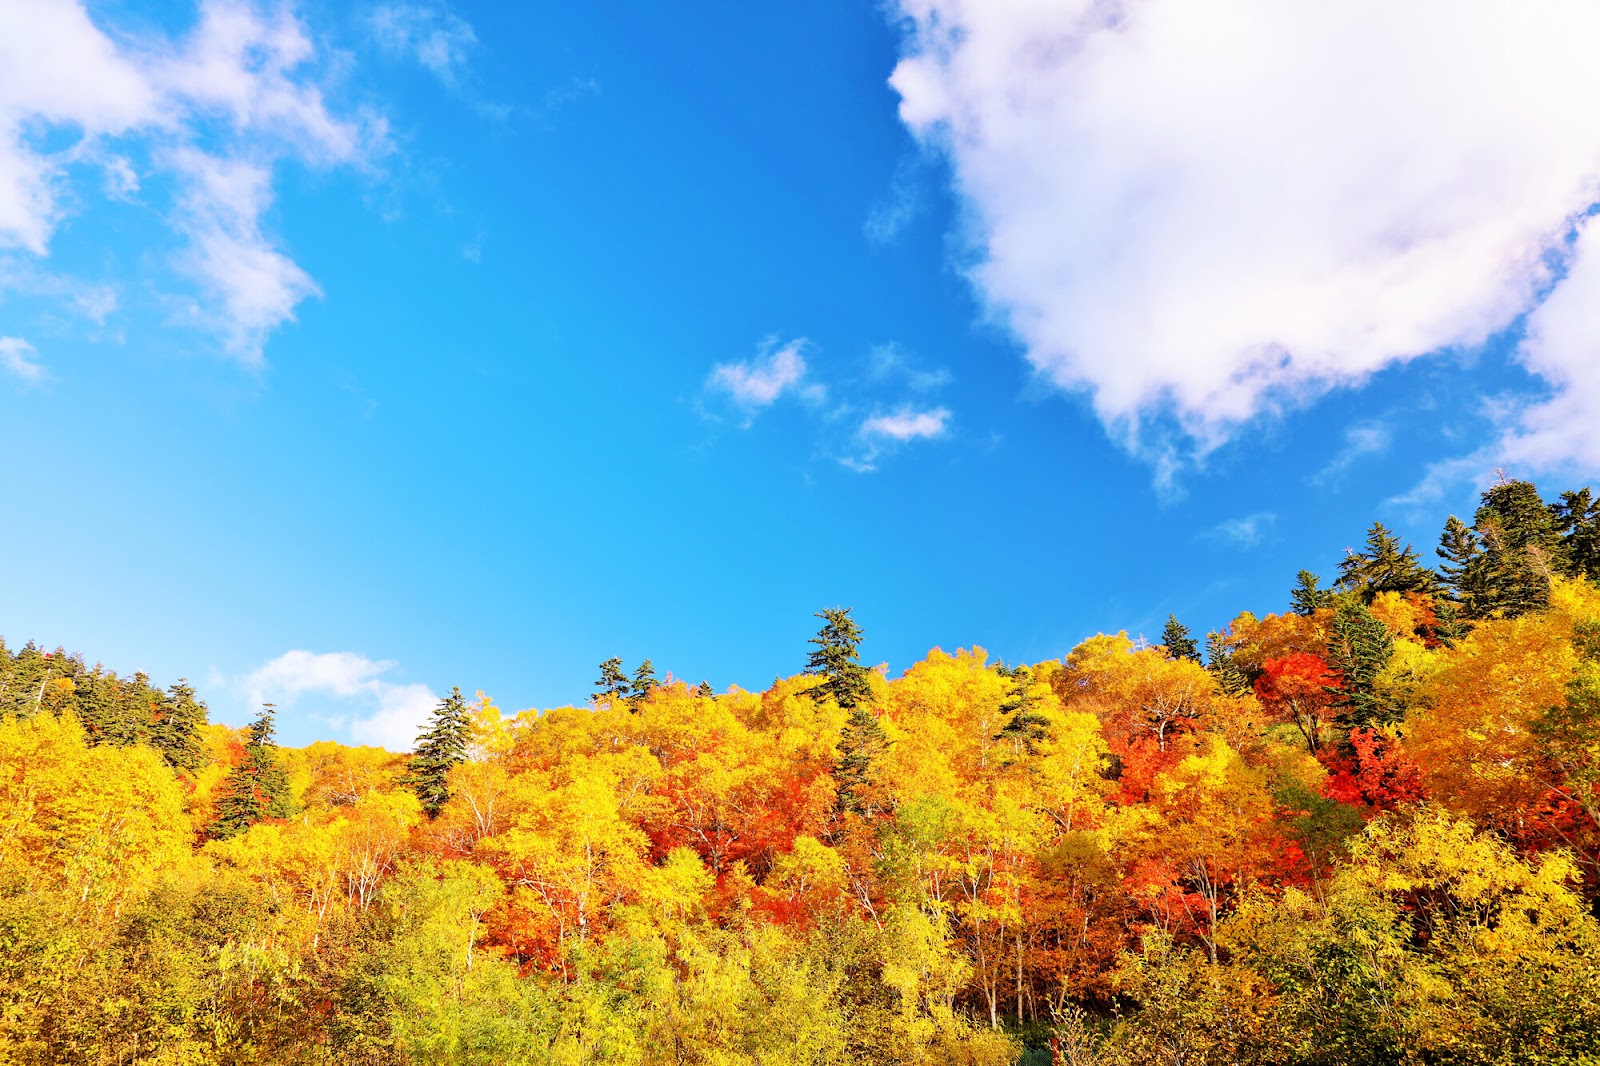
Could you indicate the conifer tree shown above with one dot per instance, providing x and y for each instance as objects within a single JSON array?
[
  {"x": 1024, "y": 725},
  {"x": 1464, "y": 566},
  {"x": 705, "y": 691},
  {"x": 1577, "y": 519},
  {"x": 1384, "y": 565},
  {"x": 1230, "y": 679},
  {"x": 644, "y": 680},
  {"x": 1520, "y": 542},
  {"x": 613, "y": 683},
  {"x": 1306, "y": 599},
  {"x": 1359, "y": 647},
  {"x": 1176, "y": 639},
  {"x": 845, "y": 682},
  {"x": 440, "y": 747},
  {"x": 175, "y": 732},
  {"x": 257, "y": 788}
]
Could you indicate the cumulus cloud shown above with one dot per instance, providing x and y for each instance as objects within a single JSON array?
[
  {"x": 214, "y": 110},
  {"x": 17, "y": 357},
  {"x": 1197, "y": 213},
  {"x": 435, "y": 37},
  {"x": 386, "y": 713},
  {"x": 757, "y": 383}
]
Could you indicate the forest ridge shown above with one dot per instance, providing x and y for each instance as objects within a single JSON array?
[{"x": 1364, "y": 830}]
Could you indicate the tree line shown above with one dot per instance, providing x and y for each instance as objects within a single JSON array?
[{"x": 1363, "y": 830}]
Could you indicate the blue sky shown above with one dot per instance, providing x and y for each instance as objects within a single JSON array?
[{"x": 351, "y": 352}]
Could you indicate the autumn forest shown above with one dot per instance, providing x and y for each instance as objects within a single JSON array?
[{"x": 1365, "y": 829}]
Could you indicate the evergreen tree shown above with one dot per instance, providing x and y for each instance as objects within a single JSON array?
[
  {"x": 176, "y": 730},
  {"x": 705, "y": 691},
  {"x": 1520, "y": 542},
  {"x": 257, "y": 788},
  {"x": 1230, "y": 679},
  {"x": 836, "y": 661},
  {"x": 1024, "y": 725},
  {"x": 613, "y": 683},
  {"x": 1306, "y": 599},
  {"x": 845, "y": 682},
  {"x": 1464, "y": 566},
  {"x": 1359, "y": 647},
  {"x": 1384, "y": 565},
  {"x": 1577, "y": 519},
  {"x": 441, "y": 746},
  {"x": 1521, "y": 514},
  {"x": 1176, "y": 639},
  {"x": 644, "y": 680}
]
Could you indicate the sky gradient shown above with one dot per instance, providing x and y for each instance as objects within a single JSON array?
[{"x": 349, "y": 353}]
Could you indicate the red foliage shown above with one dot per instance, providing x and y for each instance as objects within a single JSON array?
[{"x": 1376, "y": 774}]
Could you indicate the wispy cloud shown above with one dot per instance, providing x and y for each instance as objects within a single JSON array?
[
  {"x": 433, "y": 35},
  {"x": 215, "y": 110},
  {"x": 900, "y": 204},
  {"x": 1245, "y": 532},
  {"x": 17, "y": 357},
  {"x": 375, "y": 710},
  {"x": 888, "y": 362},
  {"x": 1360, "y": 441},
  {"x": 879, "y": 433},
  {"x": 776, "y": 370}
]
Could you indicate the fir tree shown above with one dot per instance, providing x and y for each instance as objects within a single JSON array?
[
  {"x": 644, "y": 681},
  {"x": 1384, "y": 565},
  {"x": 613, "y": 683},
  {"x": 1024, "y": 725},
  {"x": 175, "y": 732},
  {"x": 1176, "y": 639},
  {"x": 1230, "y": 679},
  {"x": 257, "y": 788},
  {"x": 705, "y": 691},
  {"x": 836, "y": 661},
  {"x": 845, "y": 682},
  {"x": 441, "y": 746},
  {"x": 1464, "y": 566},
  {"x": 1577, "y": 519},
  {"x": 1306, "y": 599},
  {"x": 1520, "y": 541},
  {"x": 1359, "y": 647}
]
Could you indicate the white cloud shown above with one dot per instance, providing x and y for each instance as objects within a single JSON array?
[
  {"x": 1201, "y": 212},
  {"x": 1360, "y": 441},
  {"x": 216, "y": 110},
  {"x": 436, "y": 37},
  {"x": 385, "y": 713},
  {"x": 886, "y": 362},
  {"x": 17, "y": 357},
  {"x": 907, "y": 425},
  {"x": 759, "y": 382},
  {"x": 1244, "y": 532}
]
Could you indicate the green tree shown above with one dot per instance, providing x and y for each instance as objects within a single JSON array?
[
  {"x": 1520, "y": 542},
  {"x": 1384, "y": 565},
  {"x": 613, "y": 683},
  {"x": 1175, "y": 637},
  {"x": 440, "y": 747},
  {"x": 1230, "y": 678},
  {"x": 256, "y": 788},
  {"x": 845, "y": 682},
  {"x": 175, "y": 732},
  {"x": 644, "y": 681},
  {"x": 705, "y": 691},
  {"x": 1359, "y": 647},
  {"x": 1024, "y": 724},
  {"x": 1577, "y": 518},
  {"x": 1464, "y": 566},
  {"x": 1306, "y": 598}
]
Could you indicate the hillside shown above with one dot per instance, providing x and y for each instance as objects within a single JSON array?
[{"x": 1366, "y": 829}]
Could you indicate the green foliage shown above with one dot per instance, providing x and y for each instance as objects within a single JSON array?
[
  {"x": 257, "y": 788},
  {"x": 1175, "y": 637},
  {"x": 1024, "y": 724},
  {"x": 1359, "y": 647},
  {"x": 644, "y": 682},
  {"x": 1306, "y": 599},
  {"x": 441, "y": 747},
  {"x": 1230, "y": 678},
  {"x": 837, "y": 661},
  {"x": 613, "y": 683}
]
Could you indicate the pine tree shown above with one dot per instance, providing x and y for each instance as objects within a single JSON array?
[
  {"x": 644, "y": 681},
  {"x": 1577, "y": 519},
  {"x": 705, "y": 691},
  {"x": 1230, "y": 679},
  {"x": 1384, "y": 565},
  {"x": 1176, "y": 639},
  {"x": 440, "y": 747},
  {"x": 1024, "y": 725},
  {"x": 1359, "y": 647},
  {"x": 175, "y": 732},
  {"x": 836, "y": 661},
  {"x": 1464, "y": 566},
  {"x": 613, "y": 683},
  {"x": 1520, "y": 542},
  {"x": 845, "y": 682},
  {"x": 1306, "y": 599},
  {"x": 257, "y": 788}
]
